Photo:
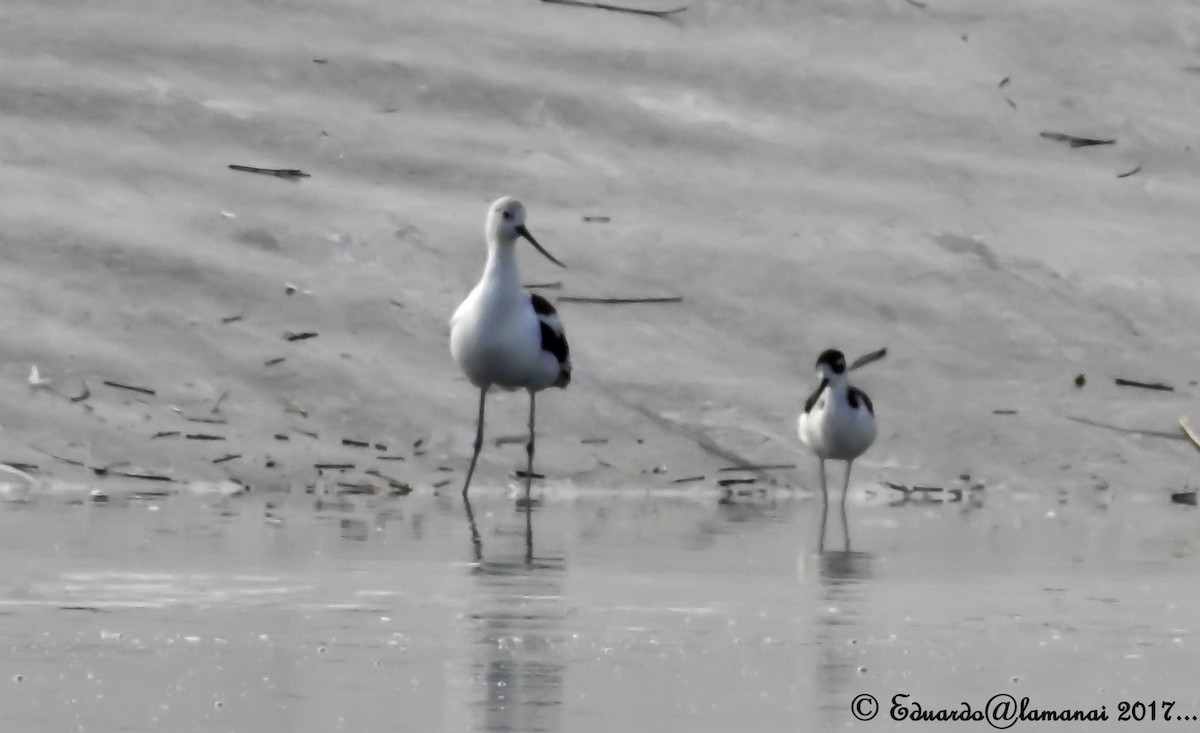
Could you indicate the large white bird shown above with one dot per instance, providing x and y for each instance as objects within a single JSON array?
[{"x": 504, "y": 336}]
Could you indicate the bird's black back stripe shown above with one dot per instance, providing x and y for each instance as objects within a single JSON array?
[
  {"x": 555, "y": 343},
  {"x": 541, "y": 306},
  {"x": 856, "y": 394},
  {"x": 811, "y": 402}
]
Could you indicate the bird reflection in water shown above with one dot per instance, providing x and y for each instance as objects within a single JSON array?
[
  {"x": 515, "y": 626},
  {"x": 841, "y": 574}
]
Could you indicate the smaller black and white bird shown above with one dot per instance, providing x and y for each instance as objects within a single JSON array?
[
  {"x": 504, "y": 336},
  {"x": 838, "y": 422}
]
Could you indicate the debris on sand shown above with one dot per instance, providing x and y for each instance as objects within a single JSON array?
[
  {"x": 355, "y": 443},
  {"x": 82, "y": 395},
  {"x": 1080, "y": 380},
  {"x": 227, "y": 457},
  {"x": 1186, "y": 497},
  {"x": 204, "y": 436},
  {"x": 687, "y": 479},
  {"x": 597, "y": 219},
  {"x": 1129, "y": 172},
  {"x": 1189, "y": 433},
  {"x": 868, "y": 358},
  {"x": 287, "y": 173},
  {"x": 1076, "y": 141},
  {"x": 301, "y": 336},
  {"x": 664, "y": 14},
  {"x": 758, "y": 467},
  {"x": 1004, "y": 412},
  {"x": 36, "y": 380},
  {"x": 129, "y": 387},
  {"x": 617, "y": 301},
  {"x": 1157, "y": 386},
  {"x": 736, "y": 481}
]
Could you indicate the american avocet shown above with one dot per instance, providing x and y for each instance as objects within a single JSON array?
[
  {"x": 838, "y": 422},
  {"x": 503, "y": 335}
]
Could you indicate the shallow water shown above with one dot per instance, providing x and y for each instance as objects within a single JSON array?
[{"x": 274, "y": 613}]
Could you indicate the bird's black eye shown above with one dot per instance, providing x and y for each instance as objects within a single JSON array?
[{"x": 508, "y": 215}]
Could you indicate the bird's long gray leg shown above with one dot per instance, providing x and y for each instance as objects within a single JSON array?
[
  {"x": 529, "y": 448},
  {"x": 824, "y": 507},
  {"x": 846, "y": 490},
  {"x": 478, "y": 440}
]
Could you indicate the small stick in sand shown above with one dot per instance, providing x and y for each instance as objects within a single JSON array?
[
  {"x": 616, "y": 301},
  {"x": 165, "y": 434},
  {"x": 281, "y": 436},
  {"x": 868, "y": 358},
  {"x": 144, "y": 476},
  {"x": 1129, "y": 172},
  {"x": 1158, "y": 386},
  {"x": 355, "y": 443},
  {"x": 687, "y": 479},
  {"x": 759, "y": 467},
  {"x": 664, "y": 14},
  {"x": 1004, "y": 412},
  {"x": 273, "y": 362},
  {"x": 231, "y": 319},
  {"x": 208, "y": 420},
  {"x": 333, "y": 466},
  {"x": 1004, "y": 82},
  {"x": 390, "y": 458},
  {"x": 597, "y": 219},
  {"x": 593, "y": 441},
  {"x": 130, "y": 387},
  {"x": 203, "y": 436},
  {"x": 1077, "y": 142},
  {"x": 227, "y": 457},
  {"x": 442, "y": 483},
  {"x": 1191, "y": 435},
  {"x": 217, "y": 406},
  {"x": 735, "y": 481},
  {"x": 522, "y": 474},
  {"x": 288, "y": 173},
  {"x": 301, "y": 336},
  {"x": 309, "y": 433},
  {"x": 82, "y": 396}
]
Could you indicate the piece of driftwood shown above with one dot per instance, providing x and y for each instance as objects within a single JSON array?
[
  {"x": 390, "y": 458},
  {"x": 687, "y": 479},
  {"x": 333, "y": 466},
  {"x": 204, "y": 436},
  {"x": 1129, "y": 172},
  {"x": 129, "y": 387},
  {"x": 227, "y": 457},
  {"x": 301, "y": 336},
  {"x": 616, "y": 301},
  {"x": 288, "y": 173},
  {"x": 868, "y": 358},
  {"x": 355, "y": 443},
  {"x": 83, "y": 395},
  {"x": 1076, "y": 141},
  {"x": 1157, "y": 386},
  {"x": 1187, "y": 497},
  {"x": 664, "y": 14},
  {"x": 735, "y": 481}
]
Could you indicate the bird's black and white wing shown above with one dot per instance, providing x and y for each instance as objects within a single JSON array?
[
  {"x": 856, "y": 396},
  {"x": 554, "y": 337}
]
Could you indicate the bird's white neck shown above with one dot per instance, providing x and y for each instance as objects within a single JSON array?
[
  {"x": 839, "y": 387},
  {"x": 501, "y": 273}
]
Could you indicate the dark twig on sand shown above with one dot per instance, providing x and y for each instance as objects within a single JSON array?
[
  {"x": 1186, "y": 497},
  {"x": 203, "y": 436},
  {"x": 70, "y": 461},
  {"x": 664, "y": 14},
  {"x": 208, "y": 420},
  {"x": 1004, "y": 82},
  {"x": 735, "y": 481},
  {"x": 83, "y": 395},
  {"x": 597, "y": 219},
  {"x": 231, "y": 319},
  {"x": 522, "y": 474},
  {"x": 333, "y": 466},
  {"x": 355, "y": 443},
  {"x": 227, "y": 457},
  {"x": 593, "y": 441},
  {"x": 273, "y": 362},
  {"x": 687, "y": 479},
  {"x": 1077, "y": 142},
  {"x": 129, "y": 387},
  {"x": 165, "y": 434},
  {"x": 1129, "y": 172},
  {"x": 144, "y": 476},
  {"x": 443, "y": 482},
  {"x": 303, "y": 335},
  {"x": 217, "y": 405},
  {"x": 289, "y": 173},
  {"x": 617, "y": 301},
  {"x": 759, "y": 467},
  {"x": 868, "y": 358},
  {"x": 389, "y": 458},
  {"x": 1004, "y": 412},
  {"x": 1158, "y": 386}
]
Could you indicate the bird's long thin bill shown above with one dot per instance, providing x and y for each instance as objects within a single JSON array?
[
  {"x": 870, "y": 358},
  {"x": 525, "y": 233}
]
